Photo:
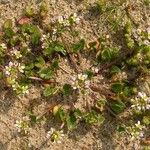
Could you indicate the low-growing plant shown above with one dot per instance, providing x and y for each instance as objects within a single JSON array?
[{"x": 32, "y": 54}]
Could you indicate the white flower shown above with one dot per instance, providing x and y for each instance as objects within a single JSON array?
[
  {"x": 95, "y": 69},
  {"x": 148, "y": 107},
  {"x": 21, "y": 68},
  {"x": 3, "y": 46},
  {"x": 136, "y": 131},
  {"x": 54, "y": 135},
  {"x": 82, "y": 76},
  {"x": 141, "y": 95},
  {"x": 66, "y": 23},
  {"x": 75, "y": 15},
  {"x": 54, "y": 31},
  {"x": 148, "y": 30},
  {"x": 75, "y": 18},
  {"x": 49, "y": 133},
  {"x": 141, "y": 134},
  {"x": 23, "y": 125},
  {"x": 146, "y": 42},
  {"x": 25, "y": 89},
  {"x": 141, "y": 102},
  {"x": 139, "y": 31},
  {"x": 87, "y": 84},
  {"x": 29, "y": 49},
  {"x": 16, "y": 53},
  {"x": 10, "y": 64},
  {"x": 80, "y": 81},
  {"x": 60, "y": 19},
  {"x": 138, "y": 124}
]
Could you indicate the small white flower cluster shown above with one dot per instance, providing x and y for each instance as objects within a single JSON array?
[
  {"x": 20, "y": 89},
  {"x": 75, "y": 18},
  {"x": 121, "y": 76},
  {"x": 68, "y": 20},
  {"x": 136, "y": 131},
  {"x": 16, "y": 53},
  {"x": 45, "y": 39},
  {"x": 141, "y": 102},
  {"x": 3, "y": 46},
  {"x": 63, "y": 20},
  {"x": 11, "y": 71},
  {"x": 142, "y": 36},
  {"x": 80, "y": 81},
  {"x": 95, "y": 69},
  {"x": 23, "y": 125},
  {"x": 14, "y": 68},
  {"x": 55, "y": 136}
]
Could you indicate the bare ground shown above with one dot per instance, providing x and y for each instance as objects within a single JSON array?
[{"x": 12, "y": 108}]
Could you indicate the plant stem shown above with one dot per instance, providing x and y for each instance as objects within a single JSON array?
[{"x": 71, "y": 58}]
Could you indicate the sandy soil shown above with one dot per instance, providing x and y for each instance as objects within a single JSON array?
[{"x": 12, "y": 108}]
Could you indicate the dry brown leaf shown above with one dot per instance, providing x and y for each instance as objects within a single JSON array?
[{"x": 24, "y": 20}]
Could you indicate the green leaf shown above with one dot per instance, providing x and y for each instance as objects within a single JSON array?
[
  {"x": 61, "y": 114},
  {"x": 35, "y": 37},
  {"x": 78, "y": 114},
  {"x": 133, "y": 61},
  {"x": 129, "y": 90},
  {"x": 43, "y": 9},
  {"x": 28, "y": 28},
  {"x": 59, "y": 48},
  {"x": 146, "y": 120},
  {"x": 117, "y": 87},
  {"x": 67, "y": 89},
  {"x": 94, "y": 118},
  {"x": 29, "y": 11},
  {"x": 115, "y": 70},
  {"x": 128, "y": 27},
  {"x": 118, "y": 106},
  {"x": 71, "y": 122},
  {"x": 7, "y": 24},
  {"x": 121, "y": 129},
  {"x": 106, "y": 55},
  {"x": 40, "y": 62},
  {"x": 89, "y": 73},
  {"x": 33, "y": 118},
  {"x": 56, "y": 109},
  {"x": 79, "y": 46},
  {"x": 9, "y": 33},
  {"x": 145, "y": 48},
  {"x": 92, "y": 44},
  {"x": 55, "y": 47},
  {"x": 1, "y": 75},
  {"x": 114, "y": 52},
  {"x": 55, "y": 65},
  {"x": 101, "y": 102},
  {"x": 50, "y": 91},
  {"x": 46, "y": 73}
]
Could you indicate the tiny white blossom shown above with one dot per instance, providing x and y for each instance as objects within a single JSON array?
[
  {"x": 16, "y": 53},
  {"x": 141, "y": 102},
  {"x": 60, "y": 19},
  {"x": 146, "y": 42},
  {"x": 55, "y": 136},
  {"x": 80, "y": 81},
  {"x": 21, "y": 68},
  {"x": 23, "y": 125},
  {"x": 3, "y": 46}
]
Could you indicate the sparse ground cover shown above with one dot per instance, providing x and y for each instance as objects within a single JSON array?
[{"x": 74, "y": 75}]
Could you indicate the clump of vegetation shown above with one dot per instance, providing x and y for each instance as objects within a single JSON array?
[{"x": 32, "y": 54}]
